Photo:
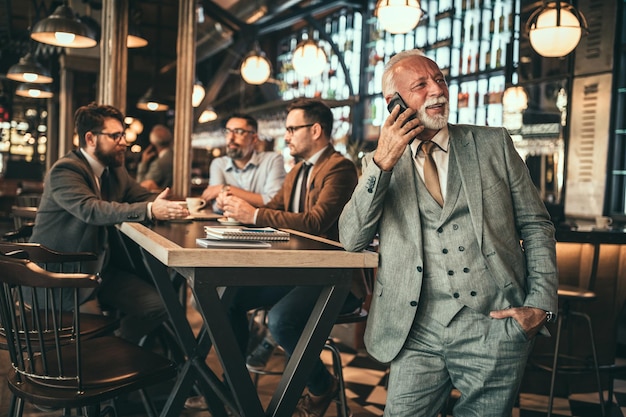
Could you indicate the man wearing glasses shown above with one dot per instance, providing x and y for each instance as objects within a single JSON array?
[
  {"x": 88, "y": 190},
  {"x": 253, "y": 176},
  {"x": 311, "y": 200}
]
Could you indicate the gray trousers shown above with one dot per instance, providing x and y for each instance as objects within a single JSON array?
[{"x": 483, "y": 358}]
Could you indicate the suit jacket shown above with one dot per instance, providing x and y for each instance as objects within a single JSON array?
[
  {"x": 331, "y": 183},
  {"x": 505, "y": 209},
  {"x": 72, "y": 216}
]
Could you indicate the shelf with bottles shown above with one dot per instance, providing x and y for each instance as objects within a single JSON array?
[
  {"x": 344, "y": 28},
  {"x": 478, "y": 101}
]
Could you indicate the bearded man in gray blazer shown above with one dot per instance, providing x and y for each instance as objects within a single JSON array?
[
  {"x": 88, "y": 190},
  {"x": 464, "y": 286}
]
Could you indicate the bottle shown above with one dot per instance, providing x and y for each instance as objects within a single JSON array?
[
  {"x": 499, "y": 56},
  {"x": 471, "y": 29},
  {"x": 501, "y": 21}
]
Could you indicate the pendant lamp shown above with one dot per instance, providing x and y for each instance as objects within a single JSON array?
[
  {"x": 256, "y": 68},
  {"x": 208, "y": 115},
  {"x": 398, "y": 16},
  {"x": 33, "y": 90},
  {"x": 63, "y": 28},
  {"x": 556, "y": 28},
  {"x": 28, "y": 70},
  {"x": 309, "y": 60},
  {"x": 198, "y": 93},
  {"x": 515, "y": 99},
  {"x": 151, "y": 102}
]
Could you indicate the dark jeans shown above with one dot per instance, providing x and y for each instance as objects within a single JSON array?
[{"x": 290, "y": 310}]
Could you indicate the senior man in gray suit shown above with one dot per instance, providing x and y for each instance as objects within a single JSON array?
[{"x": 467, "y": 274}]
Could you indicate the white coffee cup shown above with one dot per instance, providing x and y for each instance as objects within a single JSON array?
[
  {"x": 603, "y": 222},
  {"x": 194, "y": 204}
]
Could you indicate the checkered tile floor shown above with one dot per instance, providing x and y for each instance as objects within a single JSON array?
[{"x": 365, "y": 382}]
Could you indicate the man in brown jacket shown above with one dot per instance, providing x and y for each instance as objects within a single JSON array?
[{"x": 310, "y": 201}]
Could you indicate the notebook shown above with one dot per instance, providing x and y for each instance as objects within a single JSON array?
[
  {"x": 245, "y": 233},
  {"x": 232, "y": 244}
]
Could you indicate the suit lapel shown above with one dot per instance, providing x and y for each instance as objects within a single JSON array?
[{"x": 466, "y": 157}]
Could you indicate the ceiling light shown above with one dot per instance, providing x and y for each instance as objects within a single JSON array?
[
  {"x": 28, "y": 70},
  {"x": 256, "y": 68},
  {"x": 63, "y": 28},
  {"x": 135, "y": 38},
  {"x": 198, "y": 94},
  {"x": 398, "y": 16},
  {"x": 555, "y": 29},
  {"x": 515, "y": 99},
  {"x": 151, "y": 102},
  {"x": 309, "y": 60},
  {"x": 207, "y": 115},
  {"x": 33, "y": 90}
]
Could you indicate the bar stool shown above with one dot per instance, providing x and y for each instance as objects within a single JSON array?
[{"x": 570, "y": 296}]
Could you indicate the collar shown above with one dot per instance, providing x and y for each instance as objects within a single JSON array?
[
  {"x": 96, "y": 166},
  {"x": 254, "y": 161},
  {"x": 316, "y": 156},
  {"x": 441, "y": 138}
]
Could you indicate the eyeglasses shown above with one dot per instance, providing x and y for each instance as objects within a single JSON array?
[
  {"x": 292, "y": 129},
  {"x": 237, "y": 131},
  {"x": 117, "y": 136}
]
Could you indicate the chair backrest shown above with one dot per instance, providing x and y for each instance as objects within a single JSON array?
[
  {"x": 28, "y": 199},
  {"x": 42, "y": 339},
  {"x": 23, "y": 214},
  {"x": 63, "y": 261},
  {"x": 19, "y": 235}
]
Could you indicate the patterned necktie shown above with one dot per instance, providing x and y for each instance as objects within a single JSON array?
[
  {"x": 105, "y": 186},
  {"x": 431, "y": 178},
  {"x": 303, "y": 187}
]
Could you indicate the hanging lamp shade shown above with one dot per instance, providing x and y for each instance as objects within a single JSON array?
[
  {"x": 398, "y": 16},
  {"x": 34, "y": 90},
  {"x": 555, "y": 29},
  {"x": 208, "y": 115},
  {"x": 28, "y": 70},
  {"x": 198, "y": 94},
  {"x": 151, "y": 102},
  {"x": 256, "y": 68},
  {"x": 135, "y": 38},
  {"x": 309, "y": 60},
  {"x": 63, "y": 28}
]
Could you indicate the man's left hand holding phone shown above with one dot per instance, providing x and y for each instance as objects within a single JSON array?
[{"x": 399, "y": 130}]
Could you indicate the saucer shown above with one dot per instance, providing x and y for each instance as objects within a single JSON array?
[{"x": 226, "y": 222}]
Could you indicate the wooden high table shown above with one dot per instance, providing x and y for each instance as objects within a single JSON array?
[{"x": 213, "y": 275}]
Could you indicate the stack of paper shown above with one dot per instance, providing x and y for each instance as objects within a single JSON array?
[{"x": 245, "y": 233}]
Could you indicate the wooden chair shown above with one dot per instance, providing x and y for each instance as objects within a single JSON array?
[
  {"x": 22, "y": 215},
  {"x": 93, "y": 325},
  {"x": 20, "y": 235},
  {"x": 53, "y": 365}
]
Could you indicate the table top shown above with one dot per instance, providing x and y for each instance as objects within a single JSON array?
[{"x": 174, "y": 244}]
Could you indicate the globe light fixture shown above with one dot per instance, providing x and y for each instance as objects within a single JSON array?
[
  {"x": 398, "y": 16},
  {"x": 63, "y": 28},
  {"x": 28, "y": 70},
  {"x": 256, "y": 68},
  {"x": 309, "y": 60},
  {"x": 515, "y": 99},
  {"x": 555, "y": 29}
]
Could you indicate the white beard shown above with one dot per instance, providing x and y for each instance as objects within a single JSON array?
[{"x": 434, "y": 122}]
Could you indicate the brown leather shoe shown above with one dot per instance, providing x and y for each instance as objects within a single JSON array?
[{"x": 316, "y": 405}]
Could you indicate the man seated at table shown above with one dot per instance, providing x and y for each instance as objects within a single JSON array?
[
  {"x": 253, "y": 176},
  {"x": 314, "y": 208},
  {"x": 156, "y": 168},
  {"x": 89, "y": 189}
]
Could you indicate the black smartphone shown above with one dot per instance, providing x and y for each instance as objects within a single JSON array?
[{"x": 397, "y": 99}]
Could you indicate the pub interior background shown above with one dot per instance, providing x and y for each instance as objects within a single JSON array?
[{"x": 569, "y": 124}]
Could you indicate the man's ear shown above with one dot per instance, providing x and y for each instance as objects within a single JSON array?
[{"x": 90, "y": 139}]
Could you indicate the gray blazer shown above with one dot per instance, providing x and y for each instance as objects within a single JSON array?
[
  {"x": 505, "y": 209},
  {"x": 72, "y": 217}
]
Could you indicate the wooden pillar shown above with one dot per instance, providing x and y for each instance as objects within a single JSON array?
[
  {"x": 66, "y": 106},
  {"x": 185, "y": 75},
  {"x": 113, "y": 54}
]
